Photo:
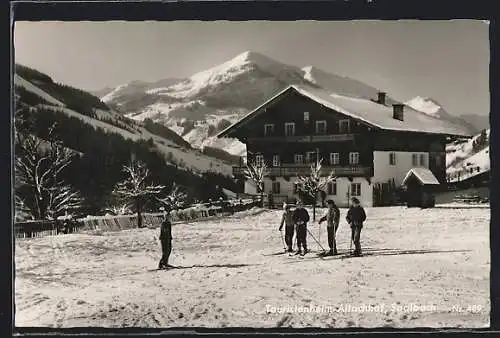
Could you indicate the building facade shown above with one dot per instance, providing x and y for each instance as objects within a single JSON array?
[{"x": 365, "y": 142}]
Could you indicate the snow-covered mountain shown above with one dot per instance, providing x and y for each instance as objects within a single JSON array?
[
  {"x": 225, "y": 91},
  {"x": 233, "y": 88},
  {"x": 433, "y": 108}
]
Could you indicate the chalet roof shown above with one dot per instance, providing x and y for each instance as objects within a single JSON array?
[
  {"x": 424, "y": 175},
  {"x": 368, "y": 111}
]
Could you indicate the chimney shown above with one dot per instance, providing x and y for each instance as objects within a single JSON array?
[
  {"x": 381, "y": 98},
  {"x": 398, "y": 111}
]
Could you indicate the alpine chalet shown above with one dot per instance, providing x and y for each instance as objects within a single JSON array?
[{"x": 369, "y": 145}]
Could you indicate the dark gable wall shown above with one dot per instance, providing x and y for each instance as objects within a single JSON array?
[{"x": 290, "y": 108}]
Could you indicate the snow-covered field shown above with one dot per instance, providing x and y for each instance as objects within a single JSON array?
[{"x": 230, "y": 275}]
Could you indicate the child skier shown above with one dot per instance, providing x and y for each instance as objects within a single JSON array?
[
  {"x": 165, "y": 239},
  {"x": 332, "y": 223},
  {"x": 287, "y": 220},
  {"x": 355, "y": 217},
  {"x": 300, "y": 218}
]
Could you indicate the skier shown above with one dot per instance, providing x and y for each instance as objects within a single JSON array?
[
  {"x": 287, "y": 220},
  {"x": 355, "y": 217},
  {"x": 165, "y": 239},
  {"x": 300, "y": 218},
  {"x": 332, "y": 223}
]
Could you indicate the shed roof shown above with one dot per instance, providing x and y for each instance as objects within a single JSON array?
[{"x": 424, "y": 175}]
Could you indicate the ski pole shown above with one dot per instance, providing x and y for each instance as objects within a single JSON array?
[{"x": 315, "y": 239}]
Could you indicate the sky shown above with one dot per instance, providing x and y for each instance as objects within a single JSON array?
[{"x": 445, "y": 60}]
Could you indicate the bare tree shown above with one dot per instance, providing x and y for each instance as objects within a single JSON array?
[
  {"x": 135, "y": 189},
  {"x": 175, "y": 199},
  {"x": 39, "y": 164},
  {"x": 120, "y": 209},
  {"x": 313, "y": 183},
  {"x": 256, "y": 174}
]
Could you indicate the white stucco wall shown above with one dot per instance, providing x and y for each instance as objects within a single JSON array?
[
  {"x": 384, "y": 171},
  {"x": 341, "y": 198}
]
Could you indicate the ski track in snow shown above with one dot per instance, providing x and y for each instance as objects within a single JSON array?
[{"x": 228, "y": 274}]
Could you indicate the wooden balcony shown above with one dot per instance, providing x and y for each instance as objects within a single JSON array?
[
  {"x": 300, "y": 170},
  {"x": 303, "y": 139}
]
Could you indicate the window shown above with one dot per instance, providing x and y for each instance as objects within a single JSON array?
[
  {"x": 306, "y": 116},
  {"x": 332, "y": 188},
  {"x": 276, "y": 160},
  {"x": 276, "y": 187},
  {"x": 422, "y": 160},
  {"x": 414, "y": 160},
  {"x": 334, "y": 158},
  {"x": 310, "y": 157},
  {"x": 259, "y": 160},
  {"x": 268, "y": 129},
  {"x": 392, "y": 158},
  {"x": 353, "y": 158},
  {"x": 297, "y": 187},
  {"x": 289, "y": 129},
  {"x": 320, "y": 127},
  {"x": 355, "y": 189},
  {"x": 298, "y": 159},
  {"x": 344, "y": 126}
]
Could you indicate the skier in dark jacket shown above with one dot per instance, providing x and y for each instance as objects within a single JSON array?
[
  {"x": 287, "y": 220},
  {"x": 332, "y": 218},
  {"x": 355, "y": 217},
  {"x": 300, "y": 218},
  {"x": 165, "y": 240}
]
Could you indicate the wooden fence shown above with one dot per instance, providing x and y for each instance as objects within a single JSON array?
[{"x": 31, "y": 229}]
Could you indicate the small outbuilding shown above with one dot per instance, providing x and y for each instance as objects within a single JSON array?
[{"x": 420, "y": 184}]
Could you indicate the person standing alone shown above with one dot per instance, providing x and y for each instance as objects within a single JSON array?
[
  {"x": 332, "y": 218},
  {"x": 165, "y": 239},
  {"x": 355, "y": 217},
  {"x": 300, "y": 218}
]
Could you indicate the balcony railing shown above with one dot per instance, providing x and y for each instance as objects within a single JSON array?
[
  {"x": 300, "y": 170},
  {"x": 304, "y": 139}
]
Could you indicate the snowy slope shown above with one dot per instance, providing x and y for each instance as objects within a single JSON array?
[
  {"x": 186, "y": 158},
  {"x": 340, "y": 84},
  {"x": 463, "y": 162},
  {"x": 133, "y": 88}
]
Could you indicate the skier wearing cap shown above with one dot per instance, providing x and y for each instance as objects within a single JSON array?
[
  {"x": 355, "y": 217},
  {"x": 332, "y": 223},
  {"x": 287, "y": 220},
  {"x": 165, "y": 239}
]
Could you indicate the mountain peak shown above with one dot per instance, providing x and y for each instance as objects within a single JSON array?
[{"x": 426, "y": 105}]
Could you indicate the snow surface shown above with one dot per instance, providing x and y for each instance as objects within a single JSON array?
[{"x": 228, "y": 273}]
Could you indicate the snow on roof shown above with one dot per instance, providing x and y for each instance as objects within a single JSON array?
[
  {"x": 424, "y": 175},
  {"x": 370, "y": 112},
  {"x": 380, "y": 115}
]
